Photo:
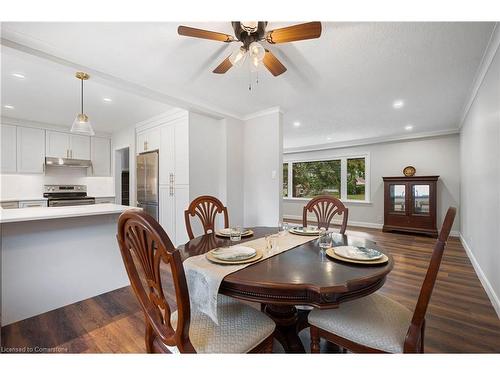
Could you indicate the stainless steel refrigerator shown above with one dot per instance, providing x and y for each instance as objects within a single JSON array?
[{"x": 147, "y": 182}]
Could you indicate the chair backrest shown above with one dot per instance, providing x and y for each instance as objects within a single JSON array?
[
  {"x": 414, "y": 334},
  {"x": 325, "y": 207},
  {"x": 206, "y": 208},
  {"x": 145, "y": 249}
]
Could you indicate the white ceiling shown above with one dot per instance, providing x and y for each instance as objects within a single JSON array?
[
  {"x": 50, "y": 93},
  {"x": 340, "y": 86}
]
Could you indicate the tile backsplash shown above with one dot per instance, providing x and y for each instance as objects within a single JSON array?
[{"x": 20, "y": 186}]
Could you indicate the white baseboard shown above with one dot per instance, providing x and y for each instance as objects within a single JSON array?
[
  {"x": 495, "y": 301},
  {"x": 362, "y": 224}
]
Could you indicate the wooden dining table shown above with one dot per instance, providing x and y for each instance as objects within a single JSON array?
[{"x": 301, "y": 276}]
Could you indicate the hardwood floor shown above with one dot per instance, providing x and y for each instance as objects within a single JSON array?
[{"x": 460, "y": 318}]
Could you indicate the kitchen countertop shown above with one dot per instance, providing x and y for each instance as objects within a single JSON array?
[{"x": 44, "y": 213}]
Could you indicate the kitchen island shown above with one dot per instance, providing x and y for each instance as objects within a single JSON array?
[{"x": 54, "y": 256}]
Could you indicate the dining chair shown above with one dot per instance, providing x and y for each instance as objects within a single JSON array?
[
  {"x": 206, "y": 208},
  {"x": 154, "y": 268},
  {"x": 325, "y": 207},
  {"x": 378, "y": 324}
]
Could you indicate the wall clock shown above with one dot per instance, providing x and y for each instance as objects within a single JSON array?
[{"x": 409, "y": 171}]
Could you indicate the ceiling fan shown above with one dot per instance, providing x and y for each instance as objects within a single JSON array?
[{"x": 251, "y": 34}]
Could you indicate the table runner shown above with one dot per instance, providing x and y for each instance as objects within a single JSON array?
[{"x": 204, "y": 277}]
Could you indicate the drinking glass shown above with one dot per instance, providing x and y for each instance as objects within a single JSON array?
[
  {"x": 325, "y": 240},
  {"x": 271, "y": 244},
  {"x": 235, "y": 233},
  {"x": 282, "y": 228}
]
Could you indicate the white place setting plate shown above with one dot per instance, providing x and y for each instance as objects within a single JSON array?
[
  {"x": 226, "y": 232},
  {"x": 234, "y": 255},
  {"x": 358, "y": 253},
  {"x": 305, "y": 231}
]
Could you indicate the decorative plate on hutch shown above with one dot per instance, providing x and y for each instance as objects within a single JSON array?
[{"x": 409, "y": 171}]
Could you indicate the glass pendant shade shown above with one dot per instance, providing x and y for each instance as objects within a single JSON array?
[{"x": 82, "y": 125}]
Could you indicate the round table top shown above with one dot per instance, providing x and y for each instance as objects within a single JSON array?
[{"x": 299, "y": 276}]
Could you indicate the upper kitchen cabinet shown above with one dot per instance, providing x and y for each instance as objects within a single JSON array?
[
  {"x": 30, "y": 150},
  {"x": 9, "y": 162},
  {"x": 148, "y": 140},
  {"x": 101, "y": 156},
  {"x": 80, "y": 147},
  {"x": 57, "y": 144},
  {"x": 66, "y": 145}
]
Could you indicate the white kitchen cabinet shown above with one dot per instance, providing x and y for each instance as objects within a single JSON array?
[
  {"x": 167, "y": 155},
  {"x": 9, "y": 160},
  {"x": 57, "y": 144},
  {"x": 101, "y": 156},
  {"x": 66, "y": 145},
  {"x": 148, "y": 140},
  {"x": 173, "y": 201},
  {"x": 41, "y": 203},
  {"x": 174, "y": 153},
  {"x": 30, "y": 150},
  {"x": 79, "y": 147}
]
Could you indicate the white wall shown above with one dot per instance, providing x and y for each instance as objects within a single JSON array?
[
  {"x": 262, "y": 167},
  {"x": 430, "y": 156},
  {"x": 480, "y": 181},
  {"x": 234, "y": 170}
]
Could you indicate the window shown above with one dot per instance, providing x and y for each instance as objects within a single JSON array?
[
  {"x": 343, "y": 177},
  {"x": 356, "y": 179},
  {"x": 316, "y": 177},
  {"x": 285, "y": 180}
]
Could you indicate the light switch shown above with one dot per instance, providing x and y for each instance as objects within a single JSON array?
[{"x": 273, "y": 174}]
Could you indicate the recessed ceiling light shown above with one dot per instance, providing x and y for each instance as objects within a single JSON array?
[
  {"x": 296, "y": 124},
  {"x": 18, "y": 75},
  {"x": 409, "y": 127},
  {"x": 397, "y": 104},
  {"x": 328, "y": 138},
  {"x": 107, "y": 100},
  {"x": 8, "y": 106}
]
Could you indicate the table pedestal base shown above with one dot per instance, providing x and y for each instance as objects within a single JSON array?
[{"x": 289, "y": 322}]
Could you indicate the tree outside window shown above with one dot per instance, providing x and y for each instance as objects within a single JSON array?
[
  {"x": 315, "y": 178},
  {"x": 356, "y": 179}
]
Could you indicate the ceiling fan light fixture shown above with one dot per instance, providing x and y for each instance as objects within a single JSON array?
[
  {"x": 238, "y": 57},
  {"x": 256, "y": 51},
  {"x": 249, "y": 26}
]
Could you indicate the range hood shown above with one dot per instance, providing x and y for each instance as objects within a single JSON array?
[{"x": 63, "y": 162}]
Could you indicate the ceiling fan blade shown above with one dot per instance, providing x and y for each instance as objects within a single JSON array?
[
  {"x": 223, "y": 67},
  {"x": 204, "y": 34},
  {"x": 293, "y": 33},
  {"x": 273, "y": 64}
]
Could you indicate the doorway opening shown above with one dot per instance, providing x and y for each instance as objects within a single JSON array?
[{"x": 122, "y": 176}]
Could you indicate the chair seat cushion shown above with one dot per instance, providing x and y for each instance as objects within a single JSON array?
[
  {"x": 374, "y": 321},
  {"x": 241, "y": 328}
]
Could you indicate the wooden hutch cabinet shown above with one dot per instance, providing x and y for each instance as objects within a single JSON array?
[{"x": 410, "y": 204}]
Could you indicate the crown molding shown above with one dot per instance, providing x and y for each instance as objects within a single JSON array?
[
  {"x": 370, "y": 141},
  {"x": 482, "y": 70},
  {"x": 39, "y": 50},
  {"x": 264, "y": 112},
  {"x": 43, "y": 125},
  {"x": 163, "y": 118}
]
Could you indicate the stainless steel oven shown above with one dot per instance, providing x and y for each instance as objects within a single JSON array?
[{"x": 67, "y": 195}]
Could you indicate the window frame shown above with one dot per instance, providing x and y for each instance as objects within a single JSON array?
[{"x": 343, "y": 176}]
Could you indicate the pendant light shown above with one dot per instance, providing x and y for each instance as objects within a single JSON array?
[{"x": 82, "y": 125}]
